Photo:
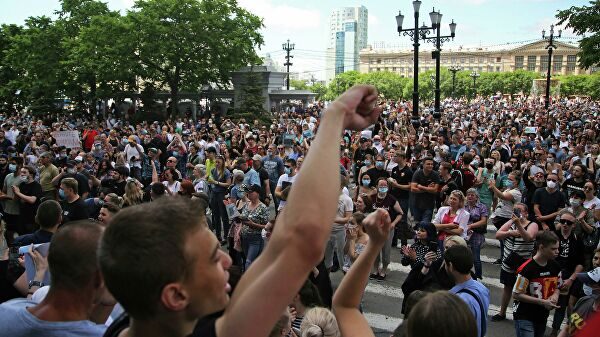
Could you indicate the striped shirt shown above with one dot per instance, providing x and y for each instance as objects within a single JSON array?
[{"x": 517, "y": 245}]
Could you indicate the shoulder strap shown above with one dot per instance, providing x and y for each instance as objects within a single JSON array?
[{"x": 482, "y": 315}]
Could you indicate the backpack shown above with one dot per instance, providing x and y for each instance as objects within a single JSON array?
[{"x": 482, "y": 311}]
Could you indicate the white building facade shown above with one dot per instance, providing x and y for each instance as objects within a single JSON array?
[{"x": 348, "y": 34}]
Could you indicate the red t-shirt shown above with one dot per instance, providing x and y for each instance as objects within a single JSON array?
[
  {"x": 88, "y": 138},
  {"x": 446, "y": 219}
]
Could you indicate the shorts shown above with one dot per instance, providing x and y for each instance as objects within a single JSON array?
[{"x": 508, "y": 279}]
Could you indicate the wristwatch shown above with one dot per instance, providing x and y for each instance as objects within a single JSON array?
[{"x": 33, "y": 283}]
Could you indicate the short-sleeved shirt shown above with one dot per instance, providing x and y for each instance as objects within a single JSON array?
[
  {"x": 27, "y": 210},
  {"x": 11, "y": 206},
  {"x": 537, "y": 281},
  {"x": 505, "y": 207},
  {"x": 548, "y": 202},
  {"x": 582, "y": 311},
  {"x": 273, "y": 166},
  {"x": 17, "y": 321},
  {"x": 425, "y": 200},
  {"x": 476, "y": 212},
  {"x": 260, "y": 215},
  {"x": 284, "y": 182},
  {"x": 403, "y": 176},
  {"x": 345, "y": 204},
  {"x": 47, "y": 173},
  {"x": 224, "y": 178},
  {"x": 571, "y": 185},
  {"x": 73, "y": 211},
  {"x": 482, "y": 293}
]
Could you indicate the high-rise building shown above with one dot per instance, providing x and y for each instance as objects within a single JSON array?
[{"x": 348, "y": 28}]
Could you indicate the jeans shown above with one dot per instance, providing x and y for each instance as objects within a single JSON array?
[
  {"x": 384, "y": 255},
  {"x": 219, "y": 215},
  {"x": 525, "y": 328},
  {"x": 476, "y": 242},
  {"x": 252, "y": 246},
  {"x": 336, "y": 243},
  {"x": 422, "y": 214},
  {"x": 559, "y": 313}
]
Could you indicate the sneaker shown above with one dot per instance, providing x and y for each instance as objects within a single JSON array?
[
  {"x": 498, "y": 318},
  {"x": 498, "y": 261},
  {"x": 381, "y": 277},
  {"x": 373, "y": 276}
]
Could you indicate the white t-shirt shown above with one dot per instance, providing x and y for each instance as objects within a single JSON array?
[
  {"x": 130, "y": 152},
  {"x": 505, "y": 207},
  {"x": 283, "y": 182},
  {"x": 173, "y": 188},
  {"x": 345, "y": 204}
]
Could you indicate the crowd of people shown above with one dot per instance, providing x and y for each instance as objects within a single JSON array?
[{"x": 147, "y": 228}]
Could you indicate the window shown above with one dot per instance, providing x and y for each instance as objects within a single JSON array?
[
  {"x": 462, "y": 60},
  {"x": 498, "y": 59},
  {"x": 571, "y": 62},
  {"x": 498, "y": 69},
  {"x": 557, "y": 61},
  {"x": 471, "y": 60},
  {"x": 531, "y": 63},
  {"x": 544, "y": 63},
  {"x": 519, "y": 62},
  {"x": 491, "y": 60},
  {"x": 378, "y": 61},
  {"x": 453, "y": 60},
  {"x": 481, "y": 60}
]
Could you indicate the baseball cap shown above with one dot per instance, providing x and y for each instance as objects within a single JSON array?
[
  {"x": 590, "y": 278},
  {"x": 257, "y": 157},
  {"x": 152, "y": 150},
  {"x": 79, "y": 158}
]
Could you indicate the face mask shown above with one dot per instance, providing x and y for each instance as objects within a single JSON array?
[
  {"x": 376, "y": 143},
  {"x": 489, "y": 166},
  {"x": 382, "y": 190},
  {"x": 241, "y": 195},
  {"x": 175, "y": 153},
  {"x": 23, "y": 178},
  {"x": 508, "y": 169},
  {"x": 288, "y": 170},
  {"x": 575, "y": 202},
  {"x": 379, "y": 164},
  {"x": 124, "y": 141},
  {"x": 367, "y": 163},
  {"x": 366, "y": 182},
  {"x": 63, "y": 155},
  {"x": 12, "y": 167},
  {"x": 508, "y": 184},
  {"x": 475, "y": 163},
  {"x": 551, "y": 184},
  {"x": 61, "y": 193},
  {"x": 71, "y": 171},
  {"x": 523, "y": 141}
]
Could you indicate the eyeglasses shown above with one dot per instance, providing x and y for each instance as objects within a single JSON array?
[
  {"x": 170, "y": 161},
  {"x": 538, "y": 154},
  {"x": 566, "y": 222}
]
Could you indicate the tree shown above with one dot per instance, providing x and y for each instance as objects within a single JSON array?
[
  {"x": 342, "y": 82},
  {"x": 252, "y": 96},
  {"x": 8, "y": 74},
  {"x": 388, "y": 84},
  {"x": 183, "y": 44},
  {"x": 319, "y": 89},
  {"x": 585, "y": 20},
  {"x": 299, "y": 84}
]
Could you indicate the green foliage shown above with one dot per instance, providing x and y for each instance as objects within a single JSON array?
[
  {"x": 585, "y": 20},
  {"x": 588, "y": 85},
  {"x": 90, "y": 52},
  {"x": 319, "y": 89},
  {"x": 299, "y": 84},
  {"x": 252, "y": 96}
]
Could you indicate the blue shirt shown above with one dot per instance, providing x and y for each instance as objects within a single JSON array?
[
  {"x": 252, "y": 178},
  {"x": 274, "y": 166},
  {"x": 484, "y": 296},
  {"x": 16, "y": 321}
]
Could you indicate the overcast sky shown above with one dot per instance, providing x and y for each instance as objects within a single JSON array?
[{"x": 480, "y": 22}]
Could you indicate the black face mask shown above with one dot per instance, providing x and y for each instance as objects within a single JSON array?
[
  {"x": 507, "y": 169},
  {"x": 489, "y": 166}
]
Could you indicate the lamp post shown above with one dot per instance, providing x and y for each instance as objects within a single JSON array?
[
  {"x": 438, "y": 41},
  {"x": 454, "y": 70},
  {"x": 474, "y": 75},
  {"x": 550, "y": 47},
  {"x": 415, "y": 33},
  {"x": 288, "y": 47}
]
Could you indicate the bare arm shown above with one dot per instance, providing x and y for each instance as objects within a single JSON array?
[{"x": 269, "y": 285}]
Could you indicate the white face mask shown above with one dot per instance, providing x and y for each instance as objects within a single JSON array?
[
  {"x": 551, "y": 184},
  {"x": 575, "y": 202}
]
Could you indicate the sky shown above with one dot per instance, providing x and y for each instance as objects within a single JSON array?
[{"x": 480, "y": 23}]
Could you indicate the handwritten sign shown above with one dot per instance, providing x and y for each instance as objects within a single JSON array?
[{"x": 68, "y": 139}]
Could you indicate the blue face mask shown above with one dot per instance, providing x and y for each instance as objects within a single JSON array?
[
  {"x": 366, "y": 182},
  {"x": 367, "y": 163},
  {"x": 379, "y": 164},
  {"x": 508, "y": 184},
  {"x": 175, "y": 153},
  {"x": 287, "y": 170},
  {"x": 61, "y": 193},
  {"x": 475, "y": 163},
  {"x": 382, "y": 190},
  {"x": 12, "y": 167},
  {"x": 241, "y": 195}
]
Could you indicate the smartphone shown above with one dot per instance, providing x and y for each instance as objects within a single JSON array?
[
  {"x": 433, "y": 246},
  {"x": 517, "y": 212}
]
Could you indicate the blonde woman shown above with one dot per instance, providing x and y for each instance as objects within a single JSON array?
[
  {"x": 452, "y": 219},
  {"x": 133, "y": 194},
  {"x": 499, "y": 165},
  {"x": 319, "y": 322}
]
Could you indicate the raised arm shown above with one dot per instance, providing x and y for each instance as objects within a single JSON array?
[
  {"x": 348, "y": 295},
  {"x": 275, "y": 277}
]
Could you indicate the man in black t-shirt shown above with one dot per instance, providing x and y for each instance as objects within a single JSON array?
[
  {"x": 537, "y": 288},
  {"x": 359, "y": 157},
  {"x": 547, "y": 202},
  {"x": 400, "y": 180},
  {"x": 576, "y": 182},
  {"x": 117, "y": 181},
  {"x": 425, "y": 185},
  {"x": 74, "y": 208},
  {"x": 570, "y": 257},
  {"x": 28, "y": 192}
]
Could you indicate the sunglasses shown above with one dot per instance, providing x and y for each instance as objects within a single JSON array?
[
  {"x": 287, "y": 166},
  {"x": 170, "y": 161},
  {"x": 554, "y": 180},
  {"x": 566, "y": 222}
]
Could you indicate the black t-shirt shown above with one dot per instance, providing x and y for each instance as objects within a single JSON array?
[
  {"x": 83, "y": 185},
  {"x": 452, "y": 186},
  {"x": 375, "y": 174},
  {"x": 360, "y": 154},
  {"x": 548, "y": 202},
  {"x": 32, "y": 189},
  {"x": 386, "y": 203},
  {"x": 403, "y": 176},
  {"x": 570, "y": 253},
  {"x": 425, "y": 200},
  {"x": 75, "y": 210},
  {"x": 205, "y": 327},
  {"x": 571, "y": 185},
  {"x": 115, "y": 187},
  {"x": 538, "y": 281}
]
